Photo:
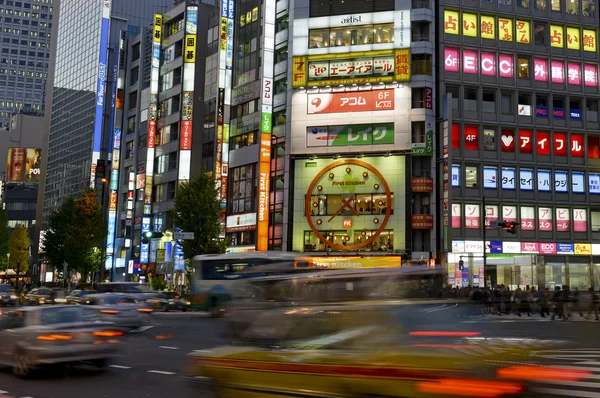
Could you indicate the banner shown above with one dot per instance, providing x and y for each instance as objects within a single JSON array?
[{"x": 23, "y": 165}]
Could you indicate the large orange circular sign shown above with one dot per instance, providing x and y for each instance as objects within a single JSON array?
[{"x": 310, "y": 192}]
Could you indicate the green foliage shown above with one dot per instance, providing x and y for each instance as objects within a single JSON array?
[
  {"x": 158, "y": 283},
  {"x": 18, "y": 245},
  {"x": 75, "y": 234},
  {"x": 4, "y": 238},
  {"x": 197, "y": 210}
]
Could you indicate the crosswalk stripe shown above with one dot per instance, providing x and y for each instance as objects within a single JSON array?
[{"x": 568, "y": 393}]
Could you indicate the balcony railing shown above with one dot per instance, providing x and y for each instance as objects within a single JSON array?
[
  {"x": 420, "y": 4},
  {"x": 420, "y": 37}
]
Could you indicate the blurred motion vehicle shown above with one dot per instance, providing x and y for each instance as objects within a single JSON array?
[
  {"x": 44, "y": 295},
  {"x": 169, "y": 301},
  {"x": 121, "y": 309},
  {"x": 218, "y": 276},
  {"x": 133, "y": 289},
  {"x": 78, "y": 296},
  {"x": 7, "y": 296},
  {"x": 365, "y": 333},
  {"x": 33, "y": 337}
]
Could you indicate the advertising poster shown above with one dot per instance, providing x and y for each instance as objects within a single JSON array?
[
  {"x": 351, "y": 135},
  {"x": 377, "y": 100},
  {"x": 23, "y": 165}
]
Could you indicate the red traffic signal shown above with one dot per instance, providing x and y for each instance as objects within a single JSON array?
[{"x": 509, "y": 226}]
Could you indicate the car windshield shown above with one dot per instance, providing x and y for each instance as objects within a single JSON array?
[{"x": 4, "y": 288}]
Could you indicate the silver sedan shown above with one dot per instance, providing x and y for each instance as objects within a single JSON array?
[
  {"x": 33, "y": 337},
  {"x": 121, "y": 309}
]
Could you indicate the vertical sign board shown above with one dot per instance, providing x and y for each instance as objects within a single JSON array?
[
  {"x": 264, "y": 178},
  {"x": 117, "y": 124},
  {"x": 445, "y": 227},
  {"x": 187, "y": 114},
  {"x": 100, "y": 88},
  {"x": 152, "y": 112}
]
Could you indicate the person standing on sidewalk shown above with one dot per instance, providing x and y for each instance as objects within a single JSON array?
[
  {"x": 557, "y": 301},
  {"x": 594, "y": 301}
]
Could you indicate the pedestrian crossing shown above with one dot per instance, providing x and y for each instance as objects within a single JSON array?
[{"x": 576, "y": 359}]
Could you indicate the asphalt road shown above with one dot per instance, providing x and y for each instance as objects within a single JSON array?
[{"x": 152, "y": 364}]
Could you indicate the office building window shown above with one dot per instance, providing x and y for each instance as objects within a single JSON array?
[
  {"x": 588, "y": 8},
  {"x": 540, "y": 33},
  {"x": 523, "y": 68},
  {"x": 131, "y": 124},
  {"x": 506, "y": 104},
  {"x": 556, "y": 6},
  {"x": 573, "y": 7},
  {"x": 471, "y": 177},
  {"x": 489, "y": 140},
  {"x": 243, "y": 187},
  {"x": 523, "y": 3}
]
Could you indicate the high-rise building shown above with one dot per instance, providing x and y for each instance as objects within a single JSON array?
[
  {"x": 87, "y": 36},
  {"x": 518, "y": 94},
  {"x": 25, "y": 35}
]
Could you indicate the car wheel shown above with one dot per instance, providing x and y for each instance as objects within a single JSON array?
[{"x": 21, "y": 365}]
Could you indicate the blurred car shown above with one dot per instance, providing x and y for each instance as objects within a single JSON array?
[
  {"x": 121, "y": 309},
  {"x": 169, "y": 301},
  {"x": 78, "y": 296},
  {"x": 138, "y": 290},
  {"x": 33, "y": 337},
  {"x": 7, "y": 295},
  {"x": 41, "y": 295},
  {"x": 330, "y": 335}
]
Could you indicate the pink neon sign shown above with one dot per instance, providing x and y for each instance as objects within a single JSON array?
[
  {"x": 558, "y": 72},
  {"x": 470, "y": 62},
  {"x": 488, "y": 64},
  {"x": 540, "y": 68},
  {"x": 506, "y": 65},
  {"x": 574, "y": 74},
  {"x": 451, "y": 59},
  {"x": 590, "y": 75}
]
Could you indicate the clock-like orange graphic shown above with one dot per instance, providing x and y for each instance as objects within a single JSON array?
[{"x": 380, "y": 185}]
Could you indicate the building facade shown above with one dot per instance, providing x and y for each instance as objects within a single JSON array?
[
  {"x": 519, "y": 115},
  {"x": 25, "y": 35},
  {"x": 79, "y": 98}
]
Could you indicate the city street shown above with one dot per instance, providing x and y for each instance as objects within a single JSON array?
[{"x": 152, "y": 364}]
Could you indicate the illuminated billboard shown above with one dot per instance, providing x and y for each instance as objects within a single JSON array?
[
  {"x": 377, "y": 100},
  {"x": 350, "y": 204},
  {"x": 351, "y": 68},
  {"x": 23, "y": 165}
]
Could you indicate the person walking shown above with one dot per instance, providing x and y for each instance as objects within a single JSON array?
[
  {"x": 576, "y": 299},
  {"x": 557, "y": 301},
  {"x": 594, "y": 301}
]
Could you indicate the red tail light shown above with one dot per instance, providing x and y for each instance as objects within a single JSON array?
[
  {"x": 147, "y": 310},
  {"x": 54, "y": 337},
  {"x": 108, "y": 333},
  {"x": 109, "y": 312},
  {"x": 436, "y": 333},
  {"x": 469, "y": 388},
  {"x": 542, "y": 373}
]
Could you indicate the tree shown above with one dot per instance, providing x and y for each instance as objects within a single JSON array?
[
  {"x": 4, "y": 238},
  {"x": 197, "y": 210},
  {"x": 75, "y": 232},
  {"x": 19, "y": 245}
]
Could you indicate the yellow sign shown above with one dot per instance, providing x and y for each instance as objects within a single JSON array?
[
  {"x": 402, "y": 65},
  {"x": 589, "y": 40},
  {"x": 160, "y": 255},
  {"x": 469, "y": 24},
  {"x": 583, "y": 249},
  {"x": 190, "y": 49},
  {"x": 255, "y": 14},
  {"x": 523, "y": 31},
  {"x": 451, "y": 22},
  {"x": 488, "y": 27},
  {"x": 557, "y": 38},
  {"x": 573, "y": 39},
  {"x": 157, "y": 27},
  {"x": 223, "y": 34},
  {"x": 348, "y": 262},
  {"x": 505, "y": 29},
  {"x": 299, "y": 72}
]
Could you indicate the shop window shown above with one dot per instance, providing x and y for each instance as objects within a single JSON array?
[
  {"x": 506, "y": 104},
  {"x": 243, "y": 140},
  {"x": 556, "y": 5},
  {"x": 318, "y": 205},
  {"x": 471, "y": 177},
  {"x": 595, "y": 220},
  {"x": 523, "y": 68},
  {"x": 573, "y": 7},
  {"x": 579, "y": 276},
  {"x": 319, "y": 38},
  {"x": 588, "y": 8},
  {"x": 489, "y": 140},
  {"x": 243, "y": 187},
  {"x": 540, "y": 28},
  {"x": 351, "y": 36}
]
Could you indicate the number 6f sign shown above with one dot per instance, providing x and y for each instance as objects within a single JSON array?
[{"x": 377, "y": 100}]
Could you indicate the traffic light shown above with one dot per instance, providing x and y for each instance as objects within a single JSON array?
[
  {"x": 146, "y": 236},
  {"x": 461, "y": 265},
  {"x": 509, "y": 226}
]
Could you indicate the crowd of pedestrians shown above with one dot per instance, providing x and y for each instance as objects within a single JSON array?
[{"x": 560, "y": 303}]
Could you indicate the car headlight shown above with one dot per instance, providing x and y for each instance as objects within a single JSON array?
[
  {"x": 42, "y": 301},
  {"x": 13, "y": 297},
  {"x": 60, "y": 300},
  {"x": 188, "y": 303},
  {"x": 171, "y": 302}
]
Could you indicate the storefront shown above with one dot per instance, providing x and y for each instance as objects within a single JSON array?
[
  {"x": 521, "y": 264},
  {"x": 350, "y": 204}
]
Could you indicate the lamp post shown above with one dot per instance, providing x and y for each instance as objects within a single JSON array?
[
  {"x": 7, "y": 265},
  {"x": 103, "y": 247}
]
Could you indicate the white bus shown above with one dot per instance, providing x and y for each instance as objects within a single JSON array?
[{"x": 215, "y": 275}]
